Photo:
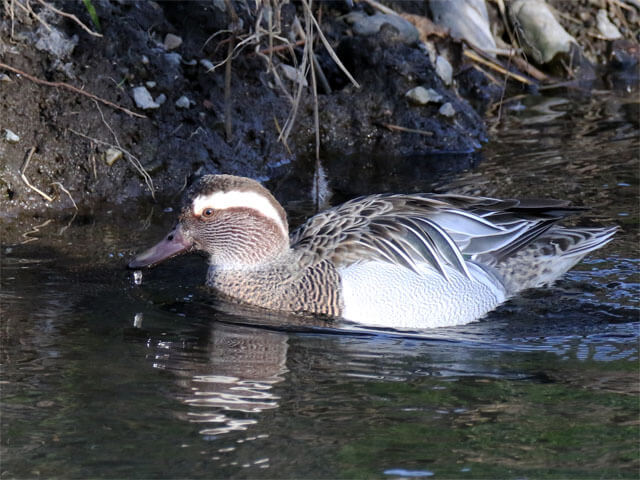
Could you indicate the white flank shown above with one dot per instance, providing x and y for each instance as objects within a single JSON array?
[
  {"x": 380, "y": 294},
  {"x": 235, "y": 199}
]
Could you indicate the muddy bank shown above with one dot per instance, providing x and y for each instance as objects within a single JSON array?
[
  {"x": 156, "y": 59},
  {"x": 72, "y": 134}
]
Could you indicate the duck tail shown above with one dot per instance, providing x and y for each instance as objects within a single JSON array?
[{"x": 549, "y": 256}]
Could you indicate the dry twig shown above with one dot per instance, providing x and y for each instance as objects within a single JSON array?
[
  {"x": 71, "y": 16},
  {"x": 278, "y": 48},
  {"x": 227, "y": 70},
  {"x": 26, "y": 180},
  {"x": 132, "y": 158},
  {"x": 67, "y": 192},
  {"x": 496, "y": 66},
  {"x": 27, "y": 8},
  {"x": 326, "y": 44},
  {"x": 398, "y": 128}
]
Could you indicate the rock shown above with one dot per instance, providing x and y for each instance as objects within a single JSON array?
[
  {"x": 173, "y": 58},
  {"x": 444, "y": 70},
  {"x": 293, "y": 74},
  {"x": 55, "y": 42},
  {"x": 207, "y": 64},
  {"x": 422, "y": 96},
  {"x": 447, "y": 110},
  {"x": 366, "y": 25},
  {"x": 542, "y": 36},
  {"x": 160, "y": 99},
  {"x": 171, "y": 41},
  {"x": 605, "y": 27},
  {"x": 150, "y": 84},
  {"x": 5, "y": 78},
  {"x": 466, "y": 19},
  {"x": 143, "y": 99},
  {"x": 144, "y": 59},
  {"x": 66, "y": 68},
  {"x": 183, "y": 102},
  {"x": 112, "y": 155},
  {"x": 11, "y": 137}
]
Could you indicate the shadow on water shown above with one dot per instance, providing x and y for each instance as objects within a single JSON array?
[{"x": 105, "y": 378}]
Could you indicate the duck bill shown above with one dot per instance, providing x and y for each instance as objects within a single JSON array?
[{"x": 173, "y": 244}]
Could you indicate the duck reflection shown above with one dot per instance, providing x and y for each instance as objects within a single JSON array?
[{"x": 229, "y": 381}]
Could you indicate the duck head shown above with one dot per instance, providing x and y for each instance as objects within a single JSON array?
[{"x": 234, "y": 220}]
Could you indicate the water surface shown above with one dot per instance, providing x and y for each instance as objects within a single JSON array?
[{"x": 104, "y": 378}]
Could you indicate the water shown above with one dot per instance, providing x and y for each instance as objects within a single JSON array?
[{"x": 105, "y": 378}]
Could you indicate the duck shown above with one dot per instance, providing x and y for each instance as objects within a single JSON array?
[{"x": 405, "y": 261}]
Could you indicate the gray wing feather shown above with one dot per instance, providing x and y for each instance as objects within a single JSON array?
[{"x": 440, "y": 230}]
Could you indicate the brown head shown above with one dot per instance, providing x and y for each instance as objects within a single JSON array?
[{"x": 235, "y": 220}]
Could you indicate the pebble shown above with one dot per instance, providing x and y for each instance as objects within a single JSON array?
[
  {"x": 365, "y": 25},
  {"x": 444, "y": 70},
  {"x": 112, "y": 155},
  {"x": 606, "y": 28},
  {"x": 5, "y": 78},
  {"x": 422, "y": 96},
  {"x": 143, "y": 99},
  {"x": 293, "y": 74},
  {"x": 173, "y": 58},
  {"x": 55, "y": 42},
  {"x": 11, "y": 137},
  {"x": 160, "y": 99},
  {"x": 171, "y": 41},
  {"x": 183, "y": 102},
  {"x": 447, "y": 110},
  {"x": 150, "y": 84},
  {"x": 208, "y": 64},
  {"x": 145, "y": 60}
]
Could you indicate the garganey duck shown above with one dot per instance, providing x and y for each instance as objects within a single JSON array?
[{"x": 388, "y": 260}]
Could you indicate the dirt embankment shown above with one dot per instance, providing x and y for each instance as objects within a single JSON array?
[
  {"x": 180, "y": 139},
  {"x": 60, "y": 147}
]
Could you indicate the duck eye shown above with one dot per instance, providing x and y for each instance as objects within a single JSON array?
[{"x": 207, "y": 212}]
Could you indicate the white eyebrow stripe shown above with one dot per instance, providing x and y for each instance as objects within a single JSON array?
[{"x": 234, "y": 199}]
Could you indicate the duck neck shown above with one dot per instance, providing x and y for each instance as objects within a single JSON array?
[{"x": 251, "y": 251}]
